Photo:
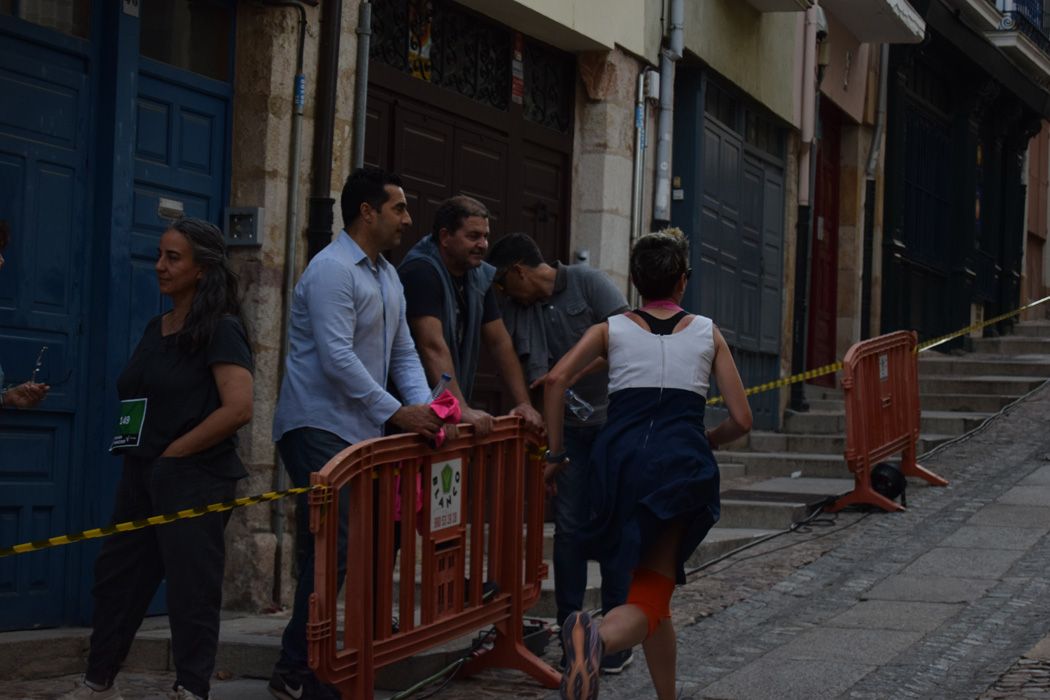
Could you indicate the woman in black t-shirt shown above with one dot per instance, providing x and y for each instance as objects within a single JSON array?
[{"x": 184, "y": 392}]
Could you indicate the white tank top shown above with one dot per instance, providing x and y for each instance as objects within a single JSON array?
[{"x": 640, "y": 359}]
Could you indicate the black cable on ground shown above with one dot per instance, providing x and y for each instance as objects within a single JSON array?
[
  {"x": 802, "y": 526},
  {"x": 449, "y": 672}
]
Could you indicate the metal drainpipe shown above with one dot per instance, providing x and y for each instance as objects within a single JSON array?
[
  {"x": 291, "y": 235},
  {"x": 364, "y": 38},
  {"x": 638, "y": 176},
  {"x": 319, "y": 225},
  {"x": 869, "y": 196},
  {"x": 665, "y": 122}
]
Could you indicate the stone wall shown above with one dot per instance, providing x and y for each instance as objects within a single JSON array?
[
  {"x": 603, "y": 158},
  {"x": 267, "y": 44}
]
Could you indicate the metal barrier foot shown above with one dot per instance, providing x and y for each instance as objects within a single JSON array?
[
  {"x": 512, "y": 653},
  {"x": 921, "y": 472},
  {"x": 863, "y": 494}
]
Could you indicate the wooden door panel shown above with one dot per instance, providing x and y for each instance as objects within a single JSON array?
[
  {"x": 480, "y": 171},
  {"x": 823, "y": 286},
  {"x": 422, "y": 148},
  {"x": 544, "y": 205},
  {"x": 44, "y": 196},
  {"x": 377, "y": 130}
]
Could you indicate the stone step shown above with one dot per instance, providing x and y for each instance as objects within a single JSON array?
[
  {"x": 1013, "y": 345},
  {"x": 249, "y": 646},
  {"x": 804, "y": 487},
  {"x": 773, "y": 464},
  {"x": 816, "y": 392},
  {"x": 731, "y": 470},
  {"x": 764, "y": 514},
  {"x": 951, "y": 422},
  {"x": 815, "y": 422},
  {"x": 826, "y": 404},
  {"x": 968, "y": 403},
  {"x": 834, "y": 423},
  {"x": 721, "y": 540},
  {"x": 820, "y": 443},
  {"x": 982, "y": 385},
  {"x": 1033, "y": 329},
  {"x": 931, "y": 364}
]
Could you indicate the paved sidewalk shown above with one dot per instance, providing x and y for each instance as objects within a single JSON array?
[{"x": 948, "y": 600}]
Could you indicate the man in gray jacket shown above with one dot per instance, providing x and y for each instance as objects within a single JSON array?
[{"x": 550, "y": 308}]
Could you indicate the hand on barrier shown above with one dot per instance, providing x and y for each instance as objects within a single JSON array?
[
  {"x": 481, "y": 421},
  {"x": 532, "y": 417},
  {"x": 446, "y": 407},
  {"x": 419, "y": 419}
]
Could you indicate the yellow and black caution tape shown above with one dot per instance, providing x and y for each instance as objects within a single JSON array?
[
  {"x": 97, "y": 532},
  {"x": 934, "y": 342},
  {"x": 836, "y": 366},
  {"x": 94, "y": 533},
  {"x": 785, "y": 381}
]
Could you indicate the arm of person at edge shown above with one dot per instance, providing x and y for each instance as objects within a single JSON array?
[
  {"x": 599, "y": 364},
  {"x": 593, "y": 345},
  {"x": 25, "y": 395},
  {"x": 738, "y": 422},
  {"x": 333, "y": 315},
  {"x": 235, "y": 386},
  {"x": 605, "y": 300},
  {"x": 437, "y": 359},
  {"x": 411, "y": 381},
  {"x": 495, "y": 335}
]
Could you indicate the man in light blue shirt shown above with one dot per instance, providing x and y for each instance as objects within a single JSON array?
[{"x": 347, "y": 336}]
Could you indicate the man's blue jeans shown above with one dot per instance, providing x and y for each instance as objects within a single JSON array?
[
  {"x": 570, "y": 514},
  {"x": 306, "y": 450}
]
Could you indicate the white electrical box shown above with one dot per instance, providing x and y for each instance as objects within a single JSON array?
[{"x": 652, "y": 85}]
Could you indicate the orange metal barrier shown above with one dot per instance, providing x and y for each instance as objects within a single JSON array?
[
  {"x": 478, "y": 493},
  {"x": 881, "y": 384}
]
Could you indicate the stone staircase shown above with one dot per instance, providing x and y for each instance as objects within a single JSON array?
[{"x": 772, "y": 479}]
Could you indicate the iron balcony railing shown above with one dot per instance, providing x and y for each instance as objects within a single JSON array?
[{"x": 1027, "y": 17}]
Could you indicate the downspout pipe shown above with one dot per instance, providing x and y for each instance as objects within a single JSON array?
[
  {"x": 291, "y": 236},
  {"x": 804, "y": 224},
  {"x": 669, "y": 56},
  {"x": 319, "y": 225},
  {"x": 869, "y": 196},
  {"x": 638, "y": 175},
  {"x": 880, "y": 114},
  {"x": 364, "y": 39}
]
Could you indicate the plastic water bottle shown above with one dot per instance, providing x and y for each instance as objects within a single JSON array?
[
  {"x": 580, "y": 408},
  {"x": 440, "y": 387}
]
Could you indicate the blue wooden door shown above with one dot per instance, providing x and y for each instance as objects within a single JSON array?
[
  {"x": 730, "y": 202},
  {"x": 181, "y": 123},
  {"x": 45, "y": 127}
]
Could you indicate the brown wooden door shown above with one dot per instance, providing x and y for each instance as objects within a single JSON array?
[
  {"x": 439, "y": 153},
  {"x": 823, "y": 289}
]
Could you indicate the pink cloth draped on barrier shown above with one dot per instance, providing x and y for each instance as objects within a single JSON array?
[{"x": 446, "y": 406}]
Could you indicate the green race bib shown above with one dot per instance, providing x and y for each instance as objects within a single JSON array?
[{"x": 130, "y": 420}]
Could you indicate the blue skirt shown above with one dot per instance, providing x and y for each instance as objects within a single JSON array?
[{"x": 650, "y": 465}]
